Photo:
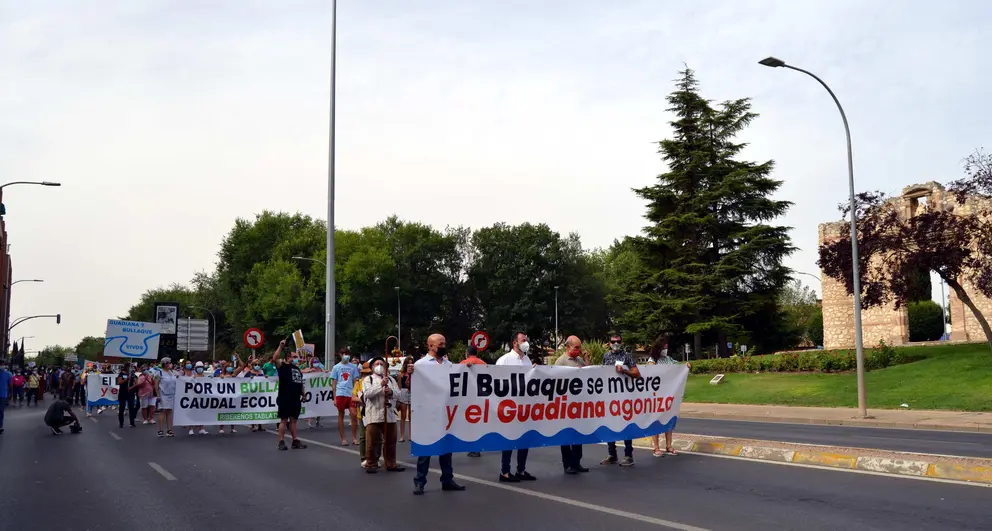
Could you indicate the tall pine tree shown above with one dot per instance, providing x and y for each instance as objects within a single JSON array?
[{"x": 711, "y": 264}]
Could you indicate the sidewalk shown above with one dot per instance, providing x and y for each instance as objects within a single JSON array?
[{"x": 882, "y": 418}]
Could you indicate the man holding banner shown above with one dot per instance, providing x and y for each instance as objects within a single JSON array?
[{"x": 436, "y": 352}]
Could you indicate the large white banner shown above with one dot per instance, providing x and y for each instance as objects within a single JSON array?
[
  {"x": 101, "y": 389},
  {"x": 211, "y": 401},
  {"x": 475, "y": 408},
  {"x": 132, "y": 339}
]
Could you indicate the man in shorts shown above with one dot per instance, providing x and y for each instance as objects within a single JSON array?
[
  {"x": 343, "y": 376},
  {"x": 290, "y": 396}
]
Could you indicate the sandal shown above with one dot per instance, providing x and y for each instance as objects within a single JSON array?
[
  {"x": 297, "y": 445},
  {"x": 160, "y": 434},
  {"x": 170, "y": 434},
  {"x": 658, "y": 453},
  {"x": 671, "y": 451}
]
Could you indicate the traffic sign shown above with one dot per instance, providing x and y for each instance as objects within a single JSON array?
[
  {"x": 193, "y": 335},
  {"x": 481, "y": 340},
  {"x": 254, "y": 338}
]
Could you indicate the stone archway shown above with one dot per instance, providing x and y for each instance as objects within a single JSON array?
[{"x": 886, "y": 322}]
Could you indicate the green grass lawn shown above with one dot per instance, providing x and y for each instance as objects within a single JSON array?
[{"x": 956, "y": 377}]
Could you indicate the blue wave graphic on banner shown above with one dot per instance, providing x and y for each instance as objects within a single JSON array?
[
  {"x": 492, "y": 442},
  {"x": 101, "y": 402}
]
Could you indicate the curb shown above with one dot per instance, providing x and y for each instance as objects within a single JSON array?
[
  {"x": 977, "y": 428},
  {"x": 904, "y": 467}
]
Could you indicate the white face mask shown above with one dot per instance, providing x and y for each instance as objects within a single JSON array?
[
  {"x": 664, "y": 352},
  {"x": 524, "y": 347},
  {"x": 378, "y": 370}
]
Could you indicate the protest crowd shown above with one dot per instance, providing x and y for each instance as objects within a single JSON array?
[{"x": 375, "y": 395}]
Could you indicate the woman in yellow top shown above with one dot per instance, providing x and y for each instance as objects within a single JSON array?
[{"x": 33, "y": 382}]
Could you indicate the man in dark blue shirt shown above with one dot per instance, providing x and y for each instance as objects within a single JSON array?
[{"x": 625, "y": 364}]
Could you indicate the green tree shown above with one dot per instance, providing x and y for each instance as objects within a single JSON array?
[
  {"x": 925, "y": 321},
  {"x": 90, "y": 348},
  {"x": 710, "y": 259},
  {"x": 514, "y": 272},
  {"x": 799, "y": 306},
  {"x": 52, "y": 356}
]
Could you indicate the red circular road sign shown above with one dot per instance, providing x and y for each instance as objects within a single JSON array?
[
  {"x": 481, "y": 340},
  {"x": 254, "y": 338}
]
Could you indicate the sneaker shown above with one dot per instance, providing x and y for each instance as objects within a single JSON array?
[
  {"x": 191, "y": 432},
  {"x": 89, "y": 415},
  {"x": 609, "y": 461},
  {"x": 160, "y": 434},
  {"x": 144, "y": 422},
  {"x": 627, "y": 461},
  {"x": 56, "y": 431},
  {"x": 282, "y": 446},
  {"x": 297, "y": 445},
  {"x": 221, "y": 432},
  {"x": 508, "y": 478},
  {"x": 204, "y": 432},
  {"x": 525, "y": 476},
  {"x": 233, "y": 430}
]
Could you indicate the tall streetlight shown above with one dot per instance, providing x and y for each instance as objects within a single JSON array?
[
  {"x": 856, "y": 273},
  {"x": 556, "y": 318},
  {"x": 330, "y": 293},
  {"x": 26, "y": 280},
  {"x": 39, "y": 183},
  {"x": 328, "y": 324},
  {"x": 213, "y": 336},
  {"x": 399, "y": 312}
]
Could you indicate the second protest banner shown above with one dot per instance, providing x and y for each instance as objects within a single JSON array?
[
  {"x": 101, "y": 389},
  {"x": 212, "y": 401},
  {"x": 473, "y": 408}
]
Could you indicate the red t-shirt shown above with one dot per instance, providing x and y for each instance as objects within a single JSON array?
[{"x": 472, "y": 360}]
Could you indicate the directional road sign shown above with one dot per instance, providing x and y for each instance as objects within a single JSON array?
[{"x": 193, "y": 335}]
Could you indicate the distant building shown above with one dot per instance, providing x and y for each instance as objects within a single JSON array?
[{"x": 6, "y": 272}]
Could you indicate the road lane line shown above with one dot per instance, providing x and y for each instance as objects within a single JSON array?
[
  {"x": 533, "y": 493},
  {"x": 93, "y": 419},
  {"x": 114, "y": 435},
  {"x": 848, "y": 470},
  {"x": 165, "y": 473}
]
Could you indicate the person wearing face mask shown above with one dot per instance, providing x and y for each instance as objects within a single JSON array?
[
  {"x": 199, "y": 371},
  {"x": 571, "y": 454},
  {"x": 166, "y": 386},
  {"x": 659, "y": 356},
  {"x": 437, "y": 352},
  {"x": 315, "y": 366},
  {"x": 145, "y": 388},
  {"x": 290, "y": 396},
  {"x": 378, "y": 395},
  {"x": 253, "y": 370},
  {"x": 517, "y": 356},
  {"x": 125, "y": 396},
  {"x": 343, "y": 376},
  {"x": 230, "y": 371},
  {"x": 618, "y": 357}
]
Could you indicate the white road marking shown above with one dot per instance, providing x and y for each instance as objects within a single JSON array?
[
  {"x": 536, "y": 494},
  {"x": 93, "y": 419},
  {"x": 114, "y": 435},
  {"x": 165, "y": 473},
  {"x": 849, "y": 470}
]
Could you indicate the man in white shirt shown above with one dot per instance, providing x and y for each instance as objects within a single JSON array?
[
  {"x": 516, "y": 356},
  {"x": 436, "y": 352}
]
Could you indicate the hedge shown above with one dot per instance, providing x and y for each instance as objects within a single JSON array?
[
  {"x": 926, "y": 321},
  {"x": 810, "y": 361}
]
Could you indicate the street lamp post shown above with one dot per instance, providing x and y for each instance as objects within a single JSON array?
[
  {"x": 213, "y": 335},
  {"x": 399, "y": 312},
  {"x": 557, "y": 342},
  {"x": 26, "y": 280},
  {"x": 330, "y": 293},
  {"x": 856, "y": 273},
  {"x": 328, "y": 324}
]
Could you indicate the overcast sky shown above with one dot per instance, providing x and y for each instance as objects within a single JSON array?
[{"x": 166, "y": 120}]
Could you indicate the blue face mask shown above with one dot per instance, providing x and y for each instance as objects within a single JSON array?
[
  {"x": 295, "y": 361},
  {"x": 188, "y": 367},
  {"x": 317, "y": 365},
  {"x": 199, "y": 370},
  {"x": 345, "y": 359},
  {"x": 258, "y": 367},
  {"x": 230, "y": 369}
]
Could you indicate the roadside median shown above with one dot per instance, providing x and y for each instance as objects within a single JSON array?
[{"x": 954, "y": 468}]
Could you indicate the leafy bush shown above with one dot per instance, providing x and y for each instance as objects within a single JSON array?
[
  {"x": 925, "y": 321},
  {"x": 814, "y": 328},
  {"x": 878, "y": 357}
]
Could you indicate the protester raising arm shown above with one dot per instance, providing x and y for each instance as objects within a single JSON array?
[{"x": 275, "y": 356}]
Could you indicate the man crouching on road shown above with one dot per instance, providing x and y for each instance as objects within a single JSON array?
[{"x": 60, "y": 414}]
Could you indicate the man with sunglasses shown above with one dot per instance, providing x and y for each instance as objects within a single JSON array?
[
  {"x": 619, "y": 357},
  {"x": 290, "y": 396}
]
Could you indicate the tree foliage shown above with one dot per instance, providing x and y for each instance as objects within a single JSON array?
[
  {"x": 925, "y": 321},
  {"x": 953, "y": 241},
  {"x": 799, "y": 304},
  {"x": 711, "y": 264}
]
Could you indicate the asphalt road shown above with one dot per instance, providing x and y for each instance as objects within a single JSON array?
[
  {"x": 900, "y": 440},
  {"x": 131, "y": 480}
]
